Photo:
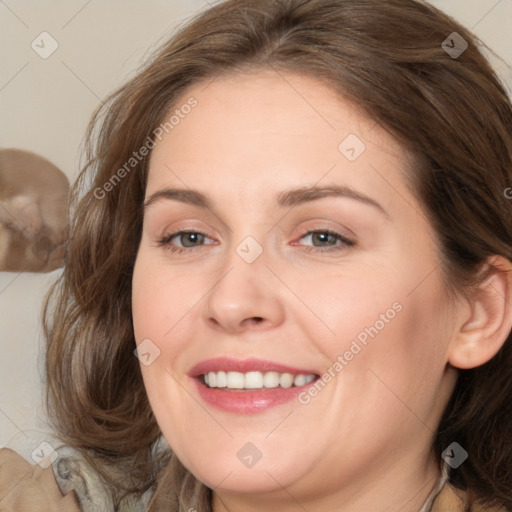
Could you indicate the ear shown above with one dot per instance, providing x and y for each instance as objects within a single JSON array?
[{"x": 487, "y": 321}]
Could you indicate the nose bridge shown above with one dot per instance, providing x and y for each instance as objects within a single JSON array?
[{"x": 244, "y": 294}]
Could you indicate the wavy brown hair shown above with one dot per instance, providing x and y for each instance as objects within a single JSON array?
[{"x": 385, "y": 56}]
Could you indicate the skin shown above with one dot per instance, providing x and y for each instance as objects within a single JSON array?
[{"x": 363, "y": 443}]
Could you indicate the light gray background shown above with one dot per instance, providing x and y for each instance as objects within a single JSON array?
[{"x": 45, "y": 105}]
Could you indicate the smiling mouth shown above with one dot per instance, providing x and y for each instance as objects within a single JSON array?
[{"x": 254, "y": 381}]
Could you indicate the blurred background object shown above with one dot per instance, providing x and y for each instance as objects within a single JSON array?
[{"x": 34, "y": 199}]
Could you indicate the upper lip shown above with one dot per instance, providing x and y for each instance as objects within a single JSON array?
[{"x": 228, "y": 364}]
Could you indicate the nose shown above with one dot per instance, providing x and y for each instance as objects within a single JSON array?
[{"x": 246, "y": 297}]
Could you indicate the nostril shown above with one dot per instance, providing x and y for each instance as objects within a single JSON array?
[{"x": 255, "y": 320}]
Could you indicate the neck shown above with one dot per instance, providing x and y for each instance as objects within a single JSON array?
[{"x": 402, "y": 487}]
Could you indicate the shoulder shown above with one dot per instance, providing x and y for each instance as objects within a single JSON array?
[
  {"x": 67, "y": 483},
  {"x": 74, "y": 473},
  {"x": 25, "y": 487},
  {"x": 451, "y": 499}
]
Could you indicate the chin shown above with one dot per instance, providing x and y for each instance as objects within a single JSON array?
[
  {"x": 245, "y": 481},
  {"x": 230, "y": 468}
]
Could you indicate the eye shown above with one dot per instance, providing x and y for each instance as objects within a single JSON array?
[
  {"x": 327, "y": 240},
  {"x": 188, "y": 240}
]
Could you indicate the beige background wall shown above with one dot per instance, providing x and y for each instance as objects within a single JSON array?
[{"x": 45, "y": 105}]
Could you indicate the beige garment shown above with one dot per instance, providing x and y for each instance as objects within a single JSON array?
[
  {"x": 451, "y": 500},
  {"x": 28, "y": 488}
]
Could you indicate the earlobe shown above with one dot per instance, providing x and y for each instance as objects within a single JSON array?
[{"x": 488, "y": 325}]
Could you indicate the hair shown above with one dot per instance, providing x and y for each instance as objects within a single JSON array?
[{"x": 386, "y": 57}]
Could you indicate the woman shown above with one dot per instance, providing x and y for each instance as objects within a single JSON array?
[{"x": 297, "y": 214}]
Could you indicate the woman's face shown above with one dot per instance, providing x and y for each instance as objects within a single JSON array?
[{"x": 309, "y": 256}]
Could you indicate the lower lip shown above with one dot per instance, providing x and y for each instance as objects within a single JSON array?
[{"x": 247, "y": 402}]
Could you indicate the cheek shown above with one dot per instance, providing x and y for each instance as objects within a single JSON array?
[
  {"x": 161, "y": 299},
  {"x": 373, "y": 322},
  {"x": 164, "y": 309},
  {"x": 158, "y": 304},
  {"x": 356, "y": 303},
  {"x": 400, "y": 357}
]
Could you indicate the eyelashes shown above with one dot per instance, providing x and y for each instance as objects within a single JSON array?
[
  {"x": 166, "y": 241},
  {"x": 326, "y": 235}
]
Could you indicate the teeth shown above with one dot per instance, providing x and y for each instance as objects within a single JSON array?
[
  {"x": 255, "y": 380},
  {"x": 286, "y": 380},
  {"x": 221, "y": 380},
  {"x": 300, "y": 380},
  {"x": 309, "y": 378},
  {"x": 271, "y": 380}
]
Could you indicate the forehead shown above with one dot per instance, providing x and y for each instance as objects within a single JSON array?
[{"x": 250, "y": 131}]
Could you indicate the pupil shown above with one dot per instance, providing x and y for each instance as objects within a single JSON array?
[
  {"x": 322, "y": 237},
  {"x": 191, "y": 237}
]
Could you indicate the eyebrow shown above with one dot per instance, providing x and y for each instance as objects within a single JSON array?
[{"x": 287, "y": 198}]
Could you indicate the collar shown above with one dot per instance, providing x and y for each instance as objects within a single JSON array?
[
  {"x": 73, "y": 473},
  {"x": 428, "y": 506}
]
